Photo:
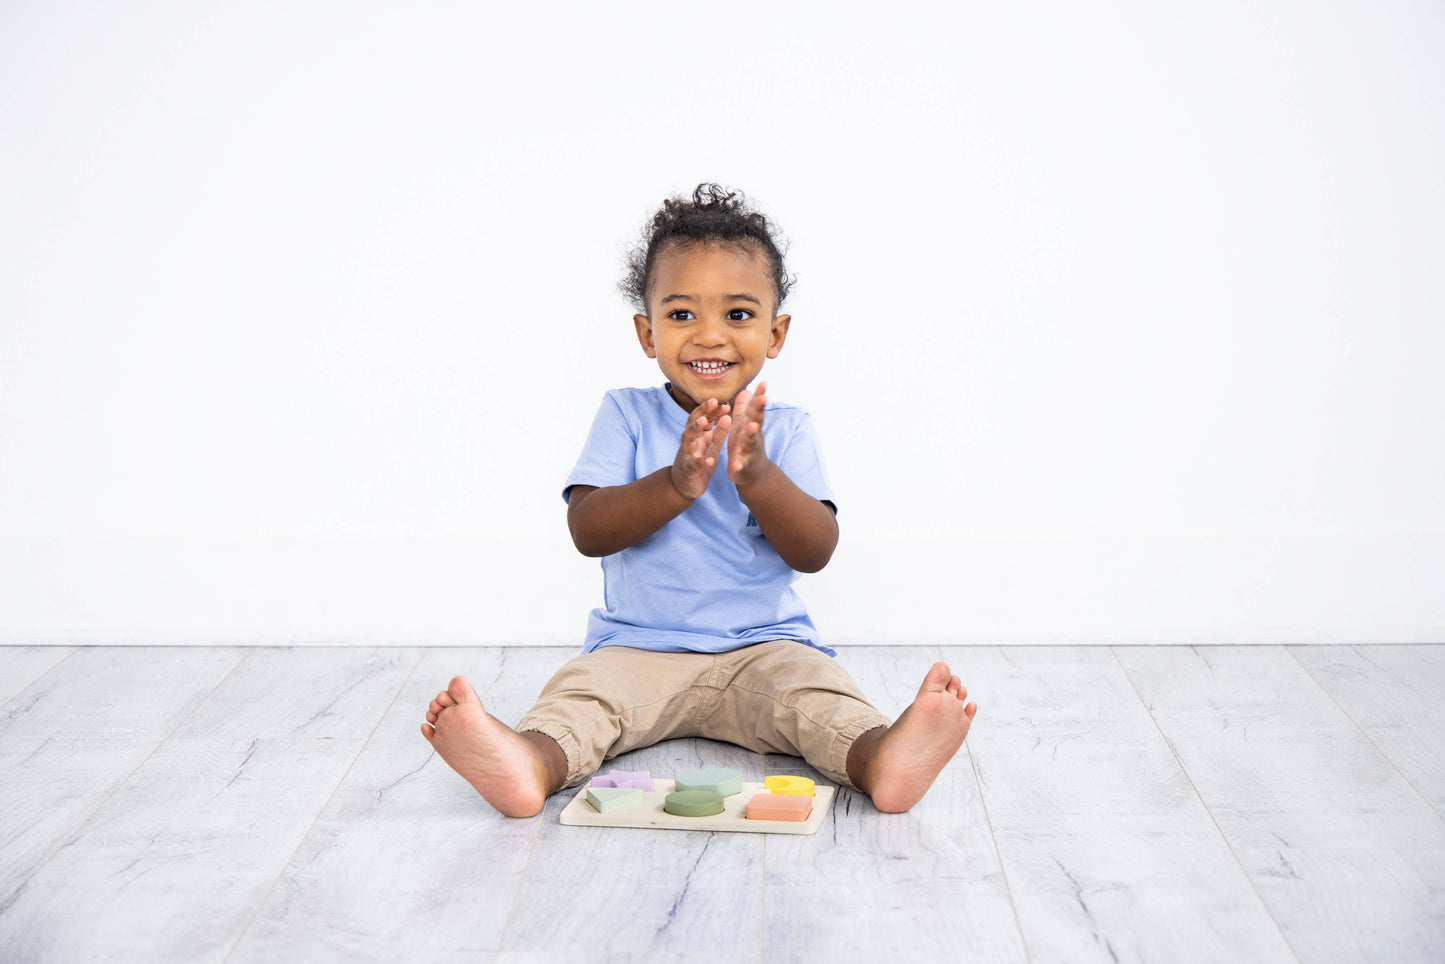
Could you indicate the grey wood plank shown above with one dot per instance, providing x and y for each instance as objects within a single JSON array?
[
  {"x": 22, "y": 665},
  {"x": 889, "y": 675},
  {"x": 925, "y": 884},
  {"x": 70, "y": 738},
  {"x": 1347, "y": 855},
  {"x": 1396, "y": 694},
  {"x": 613, "y": 894},
  {"x": 176, "y": 862},
  {"x": 407, "y": 859},
  {"x": 1110, "y": 854},
  {"x": 608, "y": 893}
]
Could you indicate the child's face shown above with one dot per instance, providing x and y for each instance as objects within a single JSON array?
[{"x": 711, "y": 304}]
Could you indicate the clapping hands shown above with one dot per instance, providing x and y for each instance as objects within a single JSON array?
[{"x": 709, "y": 428}]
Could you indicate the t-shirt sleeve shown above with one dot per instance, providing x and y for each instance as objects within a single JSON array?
[
  {"x": 609, "y": 456},
  {"x": 802, "y": 461}
]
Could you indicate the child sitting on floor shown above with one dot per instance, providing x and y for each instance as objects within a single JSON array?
[{"x": 701, "y": 633}]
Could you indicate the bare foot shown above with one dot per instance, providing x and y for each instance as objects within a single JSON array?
[
  {"x": 896, "y": 765},
  {"x": 514, "y": 772}
]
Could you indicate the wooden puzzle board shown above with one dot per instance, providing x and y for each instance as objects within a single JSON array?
[{"x": 649, "y": 813}]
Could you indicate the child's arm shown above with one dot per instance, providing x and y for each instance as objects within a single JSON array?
[
  {"x": 799, "y": 527},
  {"x": 609, "y": 519}
]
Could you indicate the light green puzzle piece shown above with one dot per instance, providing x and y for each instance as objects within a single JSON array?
[
  {"x": 718, "y": 779},
  {"x": 608, "y": 799}
]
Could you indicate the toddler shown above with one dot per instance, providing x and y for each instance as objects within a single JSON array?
[{"x": 704, "y": 500}]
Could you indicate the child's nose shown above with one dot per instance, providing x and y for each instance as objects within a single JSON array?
[{"x": 711, "y": 332}]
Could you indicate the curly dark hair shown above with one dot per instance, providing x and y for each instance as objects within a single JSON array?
[{"x": 714, "y": 215}]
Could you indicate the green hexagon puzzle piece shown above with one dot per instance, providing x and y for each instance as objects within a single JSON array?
[{"x": 720, "y": 780}]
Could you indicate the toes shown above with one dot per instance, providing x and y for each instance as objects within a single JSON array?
[
  {"x": 936, "y": 679},
  {"x": 457, "y": 691},
  {"x": 970, "y": 710},
  {"x": 427, "y": 730},
  {"x": 460, "y": 690},
  {"x": 955, "y": 685}
]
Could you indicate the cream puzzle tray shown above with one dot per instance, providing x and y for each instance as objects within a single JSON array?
[{"x": 648, "y": 811}]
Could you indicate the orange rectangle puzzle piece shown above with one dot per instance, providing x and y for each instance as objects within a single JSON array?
[{"x": 779, "y": 806}]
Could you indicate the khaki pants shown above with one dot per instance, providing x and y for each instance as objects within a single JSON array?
[{"x": 773, "y": 697}]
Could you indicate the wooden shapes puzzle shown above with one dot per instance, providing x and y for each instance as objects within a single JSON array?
[{"x": 652, "y": 812}]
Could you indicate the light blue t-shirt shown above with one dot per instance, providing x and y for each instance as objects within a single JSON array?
[{"x": 708, "y": 581}]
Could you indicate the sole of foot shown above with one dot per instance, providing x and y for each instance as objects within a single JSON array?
[
  {"x": 912, "y": 752},
  {"x": 500, "y": 763}
]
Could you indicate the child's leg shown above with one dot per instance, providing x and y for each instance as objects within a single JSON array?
[
  {"x": 615, "y": 699},
  {"x": 790, "y": 698},
  {"x": 597, "y": 706},
  {"x": 787, "y": 697}
]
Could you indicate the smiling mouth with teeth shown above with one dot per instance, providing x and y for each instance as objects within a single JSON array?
[{"x": 710, "y": 367}]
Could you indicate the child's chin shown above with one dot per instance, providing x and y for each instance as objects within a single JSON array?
[{"x": 703, "y": 390}]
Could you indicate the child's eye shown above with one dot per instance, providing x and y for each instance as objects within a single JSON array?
[
  {"x": 739, "y": 314},
  {"x": 679, "y": 313}
]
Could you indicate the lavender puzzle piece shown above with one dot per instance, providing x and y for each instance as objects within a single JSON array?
[{"x": 625, "y": 779}]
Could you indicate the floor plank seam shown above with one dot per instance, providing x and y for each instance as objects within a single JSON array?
[
  {"x": 301, "y": 840},
  {"x": 521, "y": 881},
  {"x": 763, "y": 906},
  {"x": 10, "y": 898},
  {"x": 997, "y": 854},
  {"x": 1378, "y": 749},
  {"x": 1202, "y": 802}
]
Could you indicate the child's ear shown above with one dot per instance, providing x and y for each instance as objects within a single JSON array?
[
  {"x": 778, "y": 335},
  {"x": 644, "y": 335}
]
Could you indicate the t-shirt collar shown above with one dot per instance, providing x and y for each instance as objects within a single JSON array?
[{"x": 677, "y": 414}]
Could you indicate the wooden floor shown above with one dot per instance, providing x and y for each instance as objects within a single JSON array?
[{"x": 1165, "y": 804}]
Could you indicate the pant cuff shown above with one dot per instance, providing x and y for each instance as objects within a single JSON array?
[
  {"x": 571, "y": 749},
  {"x": 837, "y": 763}
]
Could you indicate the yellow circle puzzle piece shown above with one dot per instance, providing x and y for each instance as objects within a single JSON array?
[{"x": 799, "y": 786}]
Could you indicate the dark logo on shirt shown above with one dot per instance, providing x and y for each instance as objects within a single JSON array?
[{"x": 751, "y": 521}]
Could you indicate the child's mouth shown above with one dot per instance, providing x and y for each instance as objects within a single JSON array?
[{"x": 708, "y": 370}]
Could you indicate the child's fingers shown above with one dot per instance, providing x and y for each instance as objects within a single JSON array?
[
  {"x": 756, "y": 403},
  {"x": 705, "y": 416},
  {"x": 697, "y": 430},
  {"x": 719, "y": 435}
]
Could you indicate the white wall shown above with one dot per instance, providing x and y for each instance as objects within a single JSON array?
[{"x": 1120, "y": 322}]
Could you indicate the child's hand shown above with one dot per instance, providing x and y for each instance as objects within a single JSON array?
[
  {"x": 702, "y": 440},
  {"x": 747, "y": 462}
]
